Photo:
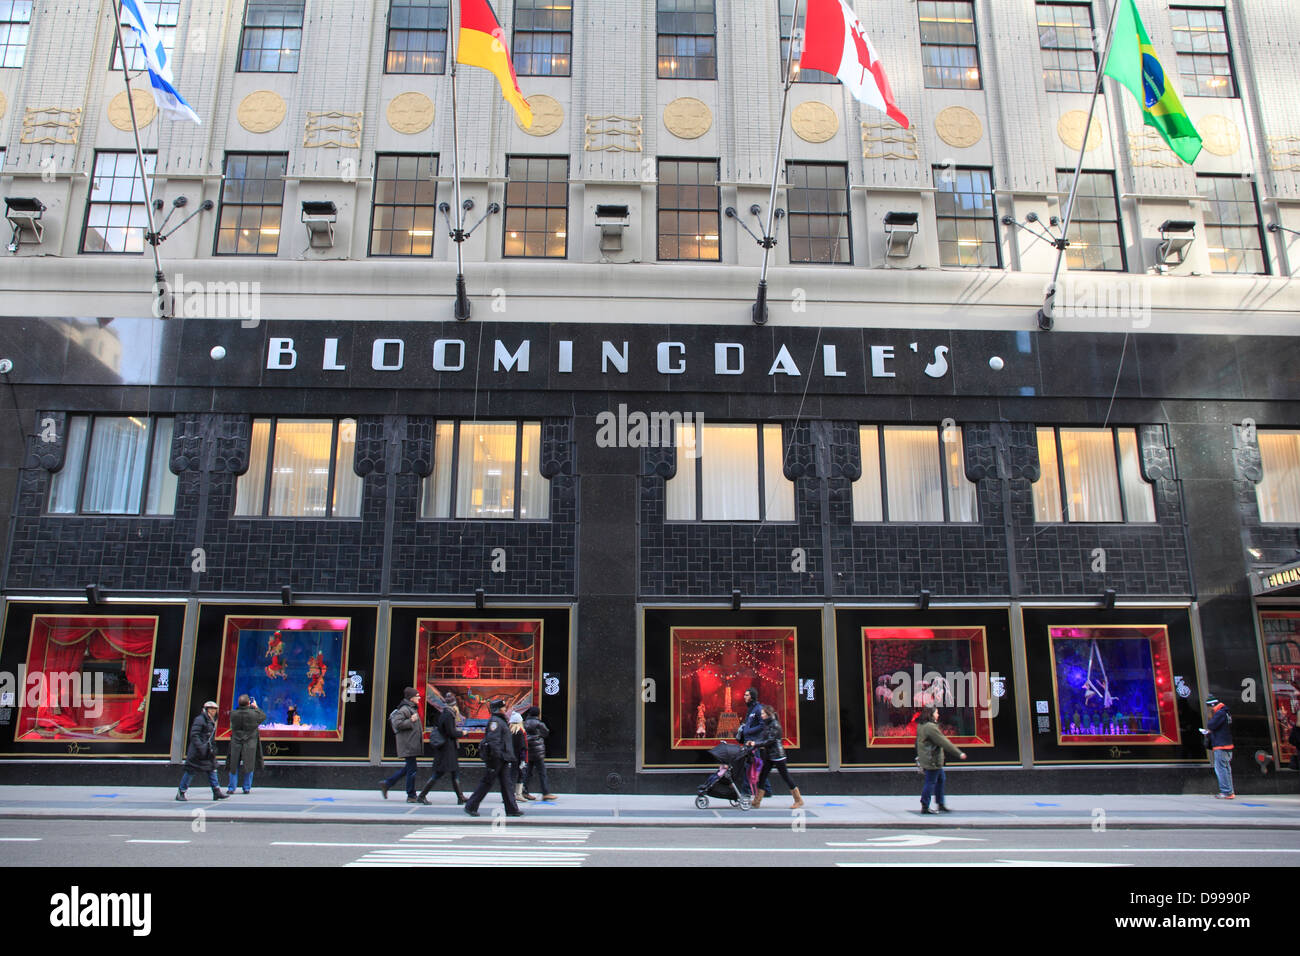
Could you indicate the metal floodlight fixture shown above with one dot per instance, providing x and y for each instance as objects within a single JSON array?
[
  {"x": 1278, "y": 227},
  {"x": 180, "y": 202},
  {"x": 611, "y": 220},
  {"x": 923, "y": 599},
  {"x": 735, "y": 599},
  {"x": 319, "y": 217},
  {"x": 901, "y": 229},
  {"x": 1175, "y": 236},
  {"x": 94, "y": 595},
  {"x": 24, "y": 215},
  {"x": 1108, "y": 599},
  {"x": 480, "y": 599},
  {"x": 286, "y": 595}
]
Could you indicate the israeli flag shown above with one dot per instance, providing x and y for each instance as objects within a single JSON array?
[{"x": 157, "y": 62}]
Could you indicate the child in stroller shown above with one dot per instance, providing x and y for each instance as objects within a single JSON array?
[{"x": 732, "y": 780}]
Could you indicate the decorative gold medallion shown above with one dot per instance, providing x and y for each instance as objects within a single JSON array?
[
  {"x": 1219, "y": 134},
  {"x": 1070, "y": 130},
  {"x": 959, "y": 127},
  {"x": 548, "y": 115},
  {"x": 119, "y": 113},
  {"x": 410, "y": 113},
  {"x": 261, "y": 111},
  {"x": 814, "y": 122},
  {"x": 688, "y": 118}
]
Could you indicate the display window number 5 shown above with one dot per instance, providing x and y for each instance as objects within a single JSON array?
[{"x": 550, "y": 684}]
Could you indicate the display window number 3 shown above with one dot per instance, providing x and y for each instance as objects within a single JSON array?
[{"x": 550, "y": 684}]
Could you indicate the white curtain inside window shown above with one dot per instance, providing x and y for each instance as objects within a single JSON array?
[
  {"x": 63, "y": 489},
  {"x": 729, "y": 463},
  {"x": 485, "y": 480},
  {"x": 300, "y": 469},
  {"x": 1279, "y": 490},
  {"x": 161, "y": 498},
  {"x": 115, "y": 475},
  {"x": 866, "y": 490},
  {"x": 1047, "y": 489},
  {"x": 963, "y": 503},
  {"x": 912, "y": 474},
  {"x": 1091, "y": 484},
  {"x": 778, "y": 489},
  {"x": 437, "y": 487},
  {"x": 252, "y": 483},
  {"x": 534, "y": 491},
  {"x": 679, "y": 490},
  {"x": 1139, "y": 496},
  {"x": 347, "y": 483}
]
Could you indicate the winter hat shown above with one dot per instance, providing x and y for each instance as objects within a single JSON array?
[
  {"x": 1211, "y": 700},
  {"x": 496, "y": 705},
  {"x": 212, "y": 704},
  {"x": 409, "y": 693},
  {"x": 532, "y": 712},
  {"x": 515, "y": 718}
]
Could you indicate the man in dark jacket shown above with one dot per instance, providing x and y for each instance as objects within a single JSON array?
[
  {"x": 497, "y": 751},
  {"x": 405, "y": 721},
  {"x": 442, "y": 736},
  {"x": 245, "y": 742},
  {"x": 537, "y": 734},
  {"x": 199, "y": 755},
  {"x": 752, "y": 728},
  {"x": 1219, "y": 730},
  {"x": 931, "y": 745}
]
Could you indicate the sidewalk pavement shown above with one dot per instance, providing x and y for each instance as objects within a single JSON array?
[{"x": 1148, "y": 811}]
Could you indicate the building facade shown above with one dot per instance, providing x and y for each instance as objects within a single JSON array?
[{"x": 611, "y": 494}]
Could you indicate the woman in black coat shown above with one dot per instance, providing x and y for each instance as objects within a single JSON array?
[{"x": 443, "y": 736}]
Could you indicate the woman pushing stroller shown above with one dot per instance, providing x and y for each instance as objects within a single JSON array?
[{"x": 773, "y": 753}]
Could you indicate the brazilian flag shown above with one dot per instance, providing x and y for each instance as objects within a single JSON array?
[{"x": 1133, "y": 63}]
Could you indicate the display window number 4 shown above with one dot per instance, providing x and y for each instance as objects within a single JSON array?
[{"x": 550, "y": 684}]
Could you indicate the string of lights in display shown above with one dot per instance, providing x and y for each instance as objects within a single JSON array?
[{"x": 702, "y": 659}]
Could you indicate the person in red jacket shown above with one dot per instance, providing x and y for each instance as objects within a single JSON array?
[{"x": 1219, "y": 731}]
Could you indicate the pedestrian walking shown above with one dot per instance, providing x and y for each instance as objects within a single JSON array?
[
  {"x": 931, "y": 745},
  {"x": 245, "y": 743},
  {"x": 405, "y": 721},
  {"x": 774, "y": 757},
  {"x": 446, "y": 761},
  {"x": 519, "y": 765},
  {"x": 752, "y": 728},
  {"x": 537, "y": 734},
  {"x": 1218, "y": 734},
  {"x": 199, "y": 755},
  {"x": 496, "y": 748}
]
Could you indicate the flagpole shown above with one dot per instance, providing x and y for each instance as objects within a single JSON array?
[
  {"x": 462, "y": 307},
  {"x": 1063, "y": 243},
  {"x": 150, "y": 236},
  {"x": 768, "y": 242}
]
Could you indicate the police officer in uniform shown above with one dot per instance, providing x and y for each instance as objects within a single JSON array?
[{"x": 497, "y": 750}]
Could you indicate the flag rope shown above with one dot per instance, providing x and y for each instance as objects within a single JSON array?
[{"x": 462, "y": 307}]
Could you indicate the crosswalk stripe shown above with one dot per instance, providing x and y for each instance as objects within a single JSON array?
[{"x": 439, "y": 845}]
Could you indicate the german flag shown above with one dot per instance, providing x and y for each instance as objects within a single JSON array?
[{"x": 482, "y": 43}]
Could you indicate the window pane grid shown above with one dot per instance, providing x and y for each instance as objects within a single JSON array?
[
  {"x": 949, "y": 49},
  {"x": 1065, "y": 35},
  {"x": 543, "y": 37},
  {"x": 487, "y": 470},
  {"x": 405, "y": 205},
  {"x": 1095, "y": 237},
  {"x": 787, "y": 17},
  {"x": 252, "y": 199},
  {"x": 689, "y": 219},
  {"x": 272, "y": 36},
  {"x": 818, "y": 201},
  {"x": 165, "y": 14},
  {"x": 686, "y": 39},
  {"x": 1204, "y": 57},
  {"x": 1102, "y": 472},
  {"x": 15, "y": 20},
  {"x": 311, "y": 470},
  {"x": 924, "y": 476},
  {"x": 417, "y": 36},
  {"x": 1278, "y": 491},
  {"x": 966, "y": 218},
  {"x": 1232, "y": 225},
  {"x": 115, "y": 465},
  {"x": 537, "y": 207},
  {"x": 116, "y": 217}
]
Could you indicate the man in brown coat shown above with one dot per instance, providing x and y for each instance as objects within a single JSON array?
[{"x": 245, "y": 743}]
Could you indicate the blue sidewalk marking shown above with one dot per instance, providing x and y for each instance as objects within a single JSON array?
[
  {"x": 105, "y": 796},
  {"x": 1046, "y": 804},
  {"x": 322, "y": 799}
]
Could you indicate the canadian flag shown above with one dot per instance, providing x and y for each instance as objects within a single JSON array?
[{"x": 834, "y": 42}]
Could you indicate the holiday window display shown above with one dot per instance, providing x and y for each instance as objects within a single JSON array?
[
  {"x": 712, "y": 668},
  {"x": 1281, "y": 632},
  {"x": 1113, "y": 685},
  {"x": 87, "y": 678},
  {"x": 293, "y": 668},
  {"x": 479, "y": 662},
  {"x": 909, "y": 668}
]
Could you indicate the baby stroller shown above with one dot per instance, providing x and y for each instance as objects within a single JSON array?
[{"x": 732, "y": 781}]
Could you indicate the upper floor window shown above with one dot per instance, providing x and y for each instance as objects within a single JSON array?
[
  {"x": 116, "y": 215},
  {"x": 115, "y": 465},
  {"x": 165, "y": 13},
  {"x": 950, "y": 56},
  {"x": 1204, "y": 57},
  {"x": 15, "y": 24},
  {"x": 252, "y": 201},
  {"x": 689, "y": 212},
  {"x": 405, "y": 204},
  {"x": 818, "y": 198},
  {"x": 1103, "y": 477},
  {"x": 788, "y": 28},
  {"x": 272, "y": 37},
  {"x": 300, "y": 468},
  {"x": 487, "y": 470},
  {"x": 1096, "y": 242},
  {"x": 731, "y": 472},
  {"x": 687, "y": 32},
  {"x": 1065, "y": 35},
  {"x": 967, "y": 217},
  {"x": 543, "y": 37},
  {"x": 537, "y": 206},
  {"x": 417, "y": 36},
  {"x": 1233, "y": 233},
  {"x": 1278, "y": 491},
  {"x": 913, "y": 473}
]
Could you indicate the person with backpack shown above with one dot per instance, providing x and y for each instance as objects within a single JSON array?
[
  {"x": 1218, "y": 734},
  {"x": 442, "y": 737},
  {"x": 497, "y": 750},
  {"x": 405, "y": 721},
  {"x": 537, "y": 734}
]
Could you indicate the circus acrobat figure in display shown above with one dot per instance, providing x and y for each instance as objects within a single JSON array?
[
  {"x": 1098, "y": 689},
  {"x": 316, "y": 669},
  {"x": 277, "y": 669}
]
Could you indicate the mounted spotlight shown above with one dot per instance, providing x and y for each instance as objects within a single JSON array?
[
  {"x": 735, "y": 599},
  {"x": 24, "y": 214},
  {"x": 901, "y": 229},
  {"x": 94, "y": 595},
  {"x": 923, "y": 600},
  {"x": 1108, "y": 599},
  {"x": 612, "y": 220},
  {"x": 480, "y": 599},
  {"x": 319, "y": 217},
  {"x": 286, "y": 595},
  {"x": 1175, "y": 237}
]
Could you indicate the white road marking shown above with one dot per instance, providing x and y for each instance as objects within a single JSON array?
[
  {"x": 21, "y": 839},
  {"x": 1030, "y": 863},
  {"x": 909, "y": 840},
  {"x": 157, "y": 841}
]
